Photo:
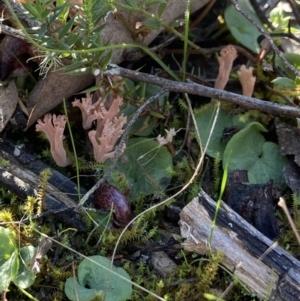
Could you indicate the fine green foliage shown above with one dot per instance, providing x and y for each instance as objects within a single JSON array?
[
  {"x": 94, "y": 280},
  {"x": 58, "y": 33}
]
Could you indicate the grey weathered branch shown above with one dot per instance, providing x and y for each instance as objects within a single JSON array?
[
  {"x": 196, "y": 89},
  {"x": 267, "y": 36},
  {"x": 259, "y": 263}
]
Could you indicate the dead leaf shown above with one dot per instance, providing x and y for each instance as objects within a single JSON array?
[
  {"x": 50, "y": 91},
  {"x": 8, "y": 103}
]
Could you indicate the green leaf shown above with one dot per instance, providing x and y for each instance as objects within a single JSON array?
[
  {"x": 242, "y": 29},
  {"x": 204, "y": 118},
  {"x": 56, "y": 12},
  {"x": 157, "y": 115},
  {"x": 66, "y": 28},
  {"x": 297, "y": 81},
  {"x": 7, "y": 244},
  {"x": 72, "y": 39},
  {"x": 248, "y": 150},
  {"x": 131, "y": 3},
  {"x": 32, "y": 9},
  {"x": 285, "y": 83},
  {"x": 292, "y": 58},
  {"x": 106, "y": 59},
  {"x": 94, "y": 281},
  {"x": 42, "y": 30},
  {"x": 26, "y": 276},
  {"x": 75, "y": 65},
  {"x": 153, "y": 2},
  {"x": 144, "y": 164},
  {"x": 161, "y": 8},
  {"x": 151, "y": 23},
  {"x": 8, "y": 271}
]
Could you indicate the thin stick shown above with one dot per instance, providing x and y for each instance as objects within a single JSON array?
[
  {"x": 196, "y": 89},
  {"x": 267, "y": 35},
  {"x": 15, "y": 33}
]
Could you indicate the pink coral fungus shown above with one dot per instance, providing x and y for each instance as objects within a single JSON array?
[
  {"x": 109, "y": 129},
  {"x": 54, "y": 133},
  {"x": 227, "y": 56},
  {"x": 109, "y": 126},
  {"x": 87, "y": 110},
  {"x": 247, "y": 80}
]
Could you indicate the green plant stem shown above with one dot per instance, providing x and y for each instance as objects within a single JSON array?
[
  {"x": 86, "y": 51},
  {"x": 165, "y": 25},
  {"x": 27, "y": 294},
  {"x": 74, "y": 151},
  {"x": 218, "y": 206}
]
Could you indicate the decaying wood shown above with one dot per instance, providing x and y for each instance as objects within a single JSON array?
[
  {"x": 261, "y": 264},
  {"x": 21, "y": 175}
]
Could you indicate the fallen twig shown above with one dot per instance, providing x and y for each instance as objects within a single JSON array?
[
  {"x": 196, "y": 89},
  {"x": 267, "y": 36}
]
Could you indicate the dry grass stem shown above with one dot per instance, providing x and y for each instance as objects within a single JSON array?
[{"x": 282, "y": 204}]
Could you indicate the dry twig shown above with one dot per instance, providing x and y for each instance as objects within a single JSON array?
[{"x": 196, "y": 89}]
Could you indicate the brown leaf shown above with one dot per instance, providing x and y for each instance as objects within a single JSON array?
[
  {"x": 50, "y": 91},
  {"x": 13, "y": 55},
  {"x": 8, "y": 103}
]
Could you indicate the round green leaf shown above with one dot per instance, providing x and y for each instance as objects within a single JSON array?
[
  {"x": 7, "y": 244},
  {"x": 95, "y": 281},
  {"x": 26, "y": 276},
  {"x": 151, "y": 23},
  {"x": 144, "y": 164},
  {"x": 248, "y": 150},
  {"x": 8, "y": 271},
  {"x": 204, "y": 119},
  {"x": 285, "y": 82},
  {"x": 293, "y": 58},
  {"x": 242, "y": 29}
]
